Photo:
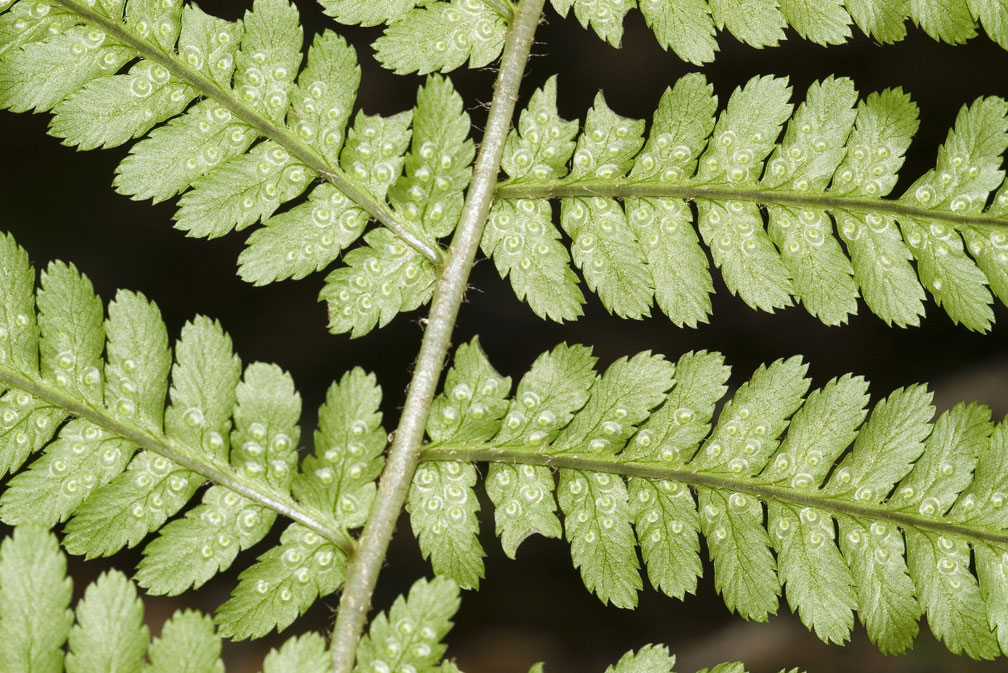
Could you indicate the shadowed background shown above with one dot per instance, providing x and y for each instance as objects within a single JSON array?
[{"x": 59, "y": 205}]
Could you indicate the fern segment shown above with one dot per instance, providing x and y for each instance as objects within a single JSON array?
[
  {"x": 264, "y": 130},
  {"x": 834, "y": 164},
  {"x": 688, "y": 28},
  {"x": 239, "y": 431},
  {"x": 794, "y": 491},
  {"x": 442, "y": 502},
  {"x": 34, "y": 598},
  {"x": 410, "y": 634},
  {"x": 109, "y": 634},
  {"x": 191, "y": 550},
  {"x": 337, "y": 480},
  {"x": 442, "y": 36}
]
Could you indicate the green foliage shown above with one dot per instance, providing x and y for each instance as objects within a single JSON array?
[
  {"x": 425, "y": 36},
  {"x": 108, "y": 634},
  {"x": 227, "y": 117},
  {"x": 110, "y": 431},
  {"x": 836, "y": 161},
  {"x": 410, "y": 633},
  {"x": 793, "y": 490},
  {"x": 125, "y": 464},
  {"x": 385, "y": 277},
  {"x": 689, "y": 28}
]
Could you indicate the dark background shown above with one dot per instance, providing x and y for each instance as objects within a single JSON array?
[{"x": 59, "y": 205}]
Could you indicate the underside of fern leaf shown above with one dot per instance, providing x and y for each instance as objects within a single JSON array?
[
  {"x": 688, "y": 27},
  {"x": 801, "y": 218},
  {"x": 117, "y": 465},
  {"x": 227, "y": 116},
  {"x": 106, "y": 631},
  {"x": 894, "y": 517}
]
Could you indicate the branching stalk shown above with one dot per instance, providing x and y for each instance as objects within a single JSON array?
[
  {"x": 257, "y": 492},
  {"x": 765, "y": 492},
  {"x": 765, "y": 197},
  {"x": 280, "y": 134},
  {"x": 404, "y": 455}
]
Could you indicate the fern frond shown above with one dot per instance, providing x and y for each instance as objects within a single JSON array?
[
  {"x": 425, "y": 36},
  {"x": 836, "y": 161},
  {"x": 227, "y": 117},
  {"x": 893, "y": 517},
  {"x": 656, "y": 659},
  {"x": 117, "y": 464},
  {"x": 689, "y": 28},
  {"x": 108, "y": 634}
]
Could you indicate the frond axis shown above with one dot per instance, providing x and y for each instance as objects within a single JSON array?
[
  {"x": 332, "y": 174},
  {"x": 510, "y": 190},
  {"x": 658, "y": 471},
  {"x": 164, "y": 447}
]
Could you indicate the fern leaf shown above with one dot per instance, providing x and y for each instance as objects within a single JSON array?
[
  {"x": 833, "y": 165},
  {"x": 109, "y": 634},
  {"x": 371, "y": 13},
  {"x": 114, "y": 109},
  {"x": 153, "y": 487},
  {"x": 34, "y": 602},
  {"x": 187, "y": 644},
  {"x": 519, "y": 235},
  {"x": 437, "y": 168},
  {"x": 798, "y": 493},
  {"x": 545, "y": 401},
  {"x": 118, "y": 464},
  {"x": 339, "y": 478},
  {"x": 303, "y": 654},
  {"x": 380, "y": 280},
  {"x": 442, "y": 36},
  {"x": 136, "y": 377},
  {"x": 310, "y": 236},
  {"x": 688, "y": 28},
  {"x": 442, "y": 502},
  {"x": 226, "y": 116},
  {"x": 282, "y": 584},
  {"x": 410, "y": 633},
  {"x": 656, "y": 659},
  {"x": 385, "y": 277},
  {"x": 264, "y": 444}
]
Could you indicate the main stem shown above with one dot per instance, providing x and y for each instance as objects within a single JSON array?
[{"x": 403, "y": 457}]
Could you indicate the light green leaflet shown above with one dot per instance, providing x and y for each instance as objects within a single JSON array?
[
  {"x": 425, "y": 36},
  {"x": 339, "y": 478},
  {"x": 442, "y": 503},
  {"x": 410, "y": 633},
  {"x": 227, "y": 116},
  {"x": 124, "y": 464},
  {"x": 688, "y": 27},
  {"x": 805, "y": 494},
  {"x": 386, "y": 277},
  {"x": 821, "y": 183},
  {"x": 108, "y": 634},
  {"x": 656, "y": 659}
]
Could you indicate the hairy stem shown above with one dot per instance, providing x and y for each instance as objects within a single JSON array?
[
  {"x": 644, "y": 189},
  {"x": 765, "y": 492},
  {"x": 404, "y": 455},
  {"x": 188, "y": 458},
  {"x": 278, "y": 133}
]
